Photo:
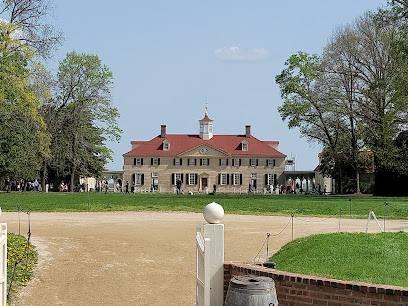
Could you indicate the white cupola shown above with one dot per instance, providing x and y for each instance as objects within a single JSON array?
[{"x": 206, "y": 127}]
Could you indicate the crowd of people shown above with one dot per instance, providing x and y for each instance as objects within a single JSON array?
[{"x": 23, "y": 185}]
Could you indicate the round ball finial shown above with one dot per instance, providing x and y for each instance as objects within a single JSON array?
[{"x": 213, "y": 213}]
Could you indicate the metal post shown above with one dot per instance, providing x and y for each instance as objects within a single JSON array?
[
  {"x": 292, "y": 224},
  {"x": 385, "y": 212},
  {"x": 340, "y": 220},
  {"x": 267, "y": 247},
  {"x": 18, "y": 219},
  {"x": 89, "y": 198},
  {"x": 350, "y": 207}
]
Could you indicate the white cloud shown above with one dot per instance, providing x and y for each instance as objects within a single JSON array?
[{"x": 234, "y": 53}]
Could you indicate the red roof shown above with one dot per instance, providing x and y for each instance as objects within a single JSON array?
[
  {"x": 229, "y": 144},
  {"x": 206, "y": 118}
]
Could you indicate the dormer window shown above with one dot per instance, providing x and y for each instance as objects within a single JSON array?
[
  {"x": 244, "y": 145},
  {"x": 166, "y": 145}
]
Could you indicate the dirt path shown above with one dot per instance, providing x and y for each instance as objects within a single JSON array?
[{"x": 143, "y": 258}]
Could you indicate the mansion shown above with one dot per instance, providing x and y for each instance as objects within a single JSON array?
[{"x": 233, "y": 163}]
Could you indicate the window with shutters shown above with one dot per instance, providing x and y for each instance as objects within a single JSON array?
[
  {"x": 178, "y": 176},
  {"x": 191, "y": 161},
  {"x": 236, "y": 162},
  {"x": 237, "y": 179},
  {"x": 192, "y": 179},
  {"x": 177, "y": 161},
  {"x": 204, "y": 161},
  {"x": 138, "y": 161},
  {"x": 223, "y": 162},
  {"x": 270, "y": 179},
  {"x": 155, "y": 161},
  {"x": 253, "y": 162},
  {"x": 224, "y": 179},
  {"x": 138, "y": 179},
  {"x": 270, "y": 162}
]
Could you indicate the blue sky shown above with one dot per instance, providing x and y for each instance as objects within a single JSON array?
[{"x": 169, "y": 57}]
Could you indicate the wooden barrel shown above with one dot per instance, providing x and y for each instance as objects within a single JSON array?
[{"x": 250, "y": 290}]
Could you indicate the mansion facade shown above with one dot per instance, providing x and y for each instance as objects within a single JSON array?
[{"x": 234, "y": 163}]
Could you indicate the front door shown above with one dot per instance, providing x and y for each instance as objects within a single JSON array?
[
  {"x": 204, "y": 183},
  {"x": 253, "y": 184}
]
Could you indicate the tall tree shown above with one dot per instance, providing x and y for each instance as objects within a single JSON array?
[
  {"x": 340, "y": 64},
  {"x": 383, "y": 106},
  {"x": 307, "y": 95},
  {"x": 83, "y": 117},
  {"x": 23, "y": 134}
]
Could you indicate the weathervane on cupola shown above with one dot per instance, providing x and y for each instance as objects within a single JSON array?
[{"x": 206, "y": 126}]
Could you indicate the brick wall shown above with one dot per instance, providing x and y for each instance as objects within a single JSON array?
[{"x": 297, "y": 289}]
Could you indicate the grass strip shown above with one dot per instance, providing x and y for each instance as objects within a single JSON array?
[
  {"x": 372, "y": 258},
  {"x": 300, "y": 205}
]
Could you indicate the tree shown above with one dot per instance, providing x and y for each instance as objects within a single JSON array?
[
  {"x": 82, "y": 117},
  {"x": 340, "y": 64},
  {"x": 23, "y": 134},
  {"x": 308, "y": 94},
  {"x": 382, "y": 76},
  {"x": 30, "y": 27}
]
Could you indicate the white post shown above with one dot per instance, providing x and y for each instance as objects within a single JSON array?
[
  {"x": 215, "y": 232},
  {"x": 203, "y": 250},
  {"x": 210, "y": 258}
]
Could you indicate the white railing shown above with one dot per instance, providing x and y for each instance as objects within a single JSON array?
[
  {"x": 3, "y": 263},
  {"x": 203, "y": 271}
]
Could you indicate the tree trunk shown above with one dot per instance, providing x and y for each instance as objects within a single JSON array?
[
  {"x": 358, "y": 191},
  {"x": 43, "y": 174},
  {"x": 71, "y": 185}
]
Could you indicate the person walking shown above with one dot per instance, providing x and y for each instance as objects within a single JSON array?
[{"x": 178, "y": 186}]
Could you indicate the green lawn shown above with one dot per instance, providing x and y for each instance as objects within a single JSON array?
[
  {"x": 373, "y": 258},
  {"x": 300, "y": 205}
]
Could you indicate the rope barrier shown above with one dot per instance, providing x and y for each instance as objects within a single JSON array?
[
  {"x": 317, "y": 220},
  {"x": 290, "y": 219},
  {"x": 269, "y": 235},
  {"x": 253, "y": 260}
]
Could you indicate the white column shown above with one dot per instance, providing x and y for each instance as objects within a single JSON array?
[{"x": 215, "y": 232}]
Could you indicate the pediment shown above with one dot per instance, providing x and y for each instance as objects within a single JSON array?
[{"x": 204, "y": 150}]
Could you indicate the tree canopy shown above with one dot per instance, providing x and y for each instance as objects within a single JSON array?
[{"x": 353, "y": 97}]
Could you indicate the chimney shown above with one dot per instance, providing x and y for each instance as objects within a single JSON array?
[
  {"x": 163, "y": 131},
  {"x": 247, "y": 131}
]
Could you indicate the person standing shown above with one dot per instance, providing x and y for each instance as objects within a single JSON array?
[
  {"x": 127, "y": 187},
  {"x": 178, "y": 186}
]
